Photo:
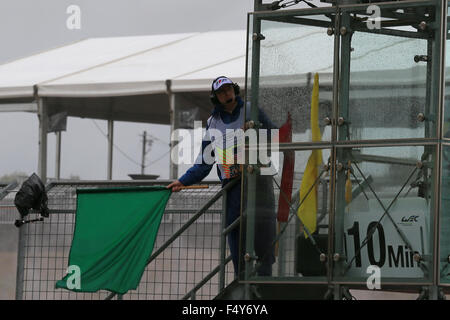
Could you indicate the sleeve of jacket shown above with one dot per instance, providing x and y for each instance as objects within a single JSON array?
[{"x": 198, "y": 171}]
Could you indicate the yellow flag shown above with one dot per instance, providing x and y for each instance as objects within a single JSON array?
[{"x": 307, "y": 212}]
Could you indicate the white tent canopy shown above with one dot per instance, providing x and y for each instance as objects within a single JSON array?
[
  {"x": 146, "y": 72},
  {"x": 126, "y": 65}
]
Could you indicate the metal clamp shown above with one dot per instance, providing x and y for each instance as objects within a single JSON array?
[
  {"x": 337, "y": 257},
  {"x": 250, "y": 124},
  {"x": 258, "y": 37},
  {"x": 417, "y": 257},
  {"x": 323, "y": 257},
  {"x": 421, "y": 58},
  {"x": 421, "y": 117},
  {"x": 423, "y": 25},
  {"x": 341, "y": 121},
  {"x": 343, "y": 31},
  {"x": 327, "y": 121},
  {"x": 330, "y": 31},
  {"x": 248, "y": 257}
]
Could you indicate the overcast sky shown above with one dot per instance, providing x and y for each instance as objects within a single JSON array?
[{"x": 31, "y": 26}]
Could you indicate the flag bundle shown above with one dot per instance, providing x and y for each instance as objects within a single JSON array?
[
  {"x": 287, "y": 177},
  {"x": 307, "y": 212}
]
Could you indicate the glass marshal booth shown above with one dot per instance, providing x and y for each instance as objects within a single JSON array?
[{"x": 368, "y": 160}]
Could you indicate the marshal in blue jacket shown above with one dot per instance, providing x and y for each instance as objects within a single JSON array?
[{"x": 199, "y": 171}]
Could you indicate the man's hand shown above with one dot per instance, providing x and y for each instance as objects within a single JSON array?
[{"x": 175, "y": 186}]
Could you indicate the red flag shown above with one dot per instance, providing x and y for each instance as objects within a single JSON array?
[{"x": 287, "y": 176}]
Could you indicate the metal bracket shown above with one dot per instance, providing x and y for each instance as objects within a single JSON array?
[
  {"x": 248, "y": 257},
  {"x": 328, "y": 121},
  {"x": 423, "y": 26},
  {"x": 338, "y": 257},
  {"x": 250, "y": 124},
  {"x": 340, "y": 167},
  {"x": 258, "y": 37},
  {"x": 421, "y": 58},
  {"x": 417, "y": 257},
  {"x": 421, "y": 117}
]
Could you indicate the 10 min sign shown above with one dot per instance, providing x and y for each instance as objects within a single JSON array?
[{"x": 386, "y": 248}]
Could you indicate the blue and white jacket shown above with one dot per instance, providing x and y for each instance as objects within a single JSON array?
[{"x": 221, "y": 120}]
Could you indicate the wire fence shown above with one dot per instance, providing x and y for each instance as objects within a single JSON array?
[{"x": 44, "y": 247}]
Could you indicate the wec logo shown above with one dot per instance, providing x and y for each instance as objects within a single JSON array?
[{"x": 410, "y": 219}]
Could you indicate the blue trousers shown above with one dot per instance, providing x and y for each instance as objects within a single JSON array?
[{"x": 265, "y": 225}]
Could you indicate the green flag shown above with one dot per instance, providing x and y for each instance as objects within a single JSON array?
[{"x": 115, "y": 231}]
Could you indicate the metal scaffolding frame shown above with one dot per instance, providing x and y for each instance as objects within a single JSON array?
[{"x": 341, "y": 26}]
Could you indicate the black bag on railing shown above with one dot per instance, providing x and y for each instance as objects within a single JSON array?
[{"x": 31, "y": 195}]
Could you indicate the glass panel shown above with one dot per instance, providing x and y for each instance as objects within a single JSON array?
[
  {"x": 383, "y": 213},
  {"x": 445, "y": 217},
  {"x": 280, "y": 236},
  {"x": 290, "y": 55},
  {"x": 386, "y": 89},
  {"x": 446, "y": 129},
  {"x": 444, "y": 245},
  {"x": 444, "y": 265},
  {"x": 249, "y": 54}
]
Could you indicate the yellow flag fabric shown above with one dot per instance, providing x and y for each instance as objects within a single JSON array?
[{"x": 307, "y": 212}]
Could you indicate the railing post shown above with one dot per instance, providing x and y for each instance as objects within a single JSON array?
[
  {"x": 223, "y": 244},
  {"x": 281, "y": 249},
  {"x": 20, "y": 264}
]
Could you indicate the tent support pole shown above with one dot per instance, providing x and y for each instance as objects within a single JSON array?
[
  {"x": 173, "y": 172},
  {"x": 58, "y": 155},
  {"x": 110, "y": 148},
  {"x": 43, "y": 127}
]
